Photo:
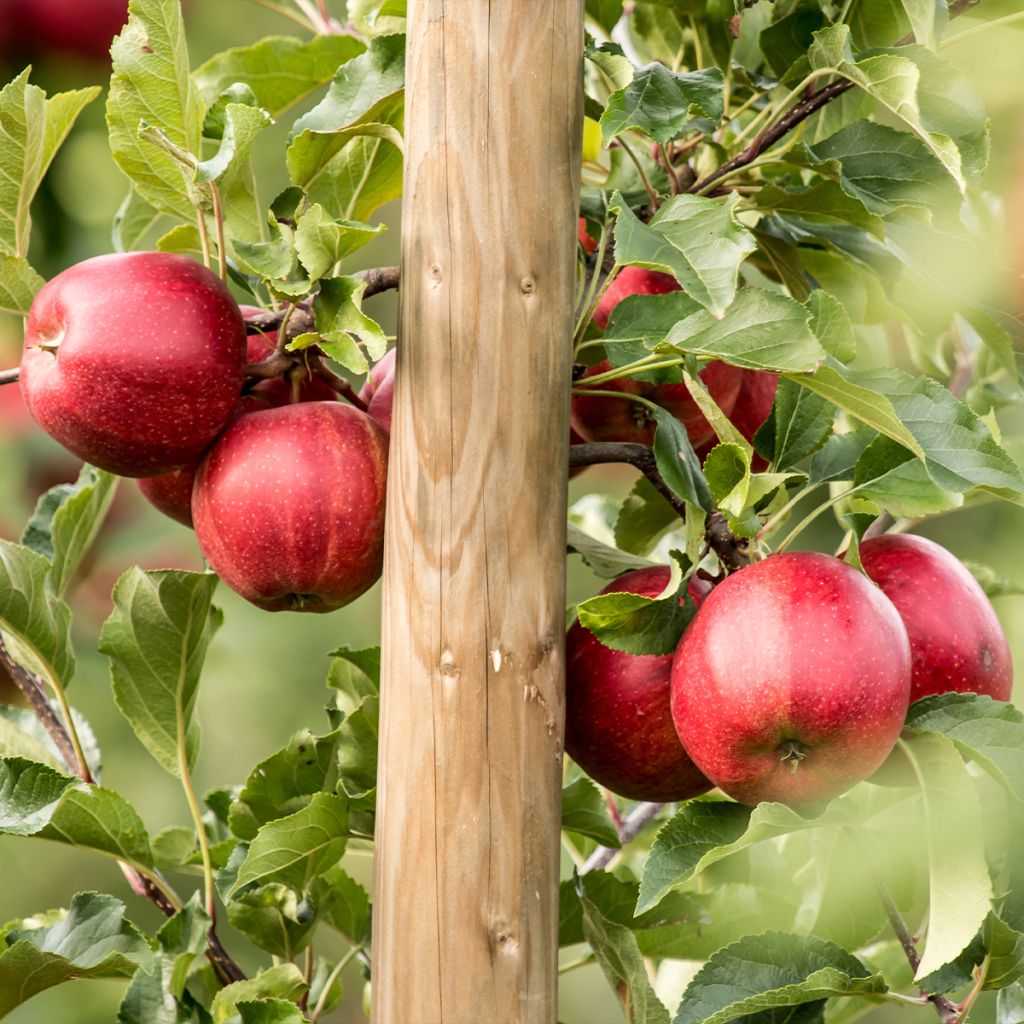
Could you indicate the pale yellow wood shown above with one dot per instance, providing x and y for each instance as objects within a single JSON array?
[{"x": 469, "y": 793}]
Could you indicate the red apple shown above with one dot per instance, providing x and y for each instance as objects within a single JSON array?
[
  {"x": 753, "y": 406},
  {"x": 599, "y": 418},
  {"x": 632, "y": 281},
  {"x": 289, "y": 506},
  {"x": 278, "y": 390},
  {"x": 793, "y": 681},
  {"x": 618, "y": 725},
  {"x": 134, "y": 361},
  {"x": 378, "y": 392},
  {"x": 85, "y": 27},
  {"x": 956, "y": 642},
  {"x": 589, "y": 243}
]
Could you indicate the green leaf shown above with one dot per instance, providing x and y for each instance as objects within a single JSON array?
[
  {"x": 92, "y": 939},
  {"x": 585, "y": 812},
  {"x": 156, "y": 639},
  {"x": 677, "y": 462},
  {"x": 639, "y": 323},
  {"x": 242, "y": 124},
  {"x": 151, "y": 84},
  {"x": 280, "y": 70},
  {"x": 23, "y": 736},
  {"x": 769, "y": 972},
  {"x": 33, "y": 128},
  {"x": 270, "y": 1011},
  {"x": 761, "y": 330},
  {"x": 605, "y": 12},
  {"x": 355, "y": 673},
  {"x": 282, "y": 982},
  {"x": 615, "y": 947},
  {"x": 275, "y": 918},
  {"x": 273, "y": 261},
  {"x": 994, "y": 584},
  {"x": 885, "y": 168},
  {"x": 18, "y": 285},
  {"x": 31, "y": 615},
  {"x": 823, "y": 201},
  {"x": 341, "y": 323},
  {"x": 132, "y": 222},
  {"x": 889, "y": 475},
  {"x": 643, "y": 519},
  {"x": 1010, "y": 1005},
  {"x": 640, "y": 625},
  {"x": 357, "y": 748},
  {"x": 606, "y": 561},
  {"x": 295, "y": 848},
  {"x": 322, "y": 242},
  {"x": 664, "y": 104},
  {"x": 346, "y": 152},
  {"x": 985, "y": 731},
  {"x": 283, "y": 783},
  {"x": 830, "y": 324},
  {"x": 703, "y": 832},
  {"x": 696, "y": 239},
  {"x": 349, "y": 906},
  {"x": 800, "y": 423},
  {"x": 67, "y": 519},
  {"x": 959, "y": 885}
]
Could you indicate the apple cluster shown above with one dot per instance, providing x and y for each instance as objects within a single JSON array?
[
  {"x": 792, "y": 681},
  {"x": 135, "y": 362}
]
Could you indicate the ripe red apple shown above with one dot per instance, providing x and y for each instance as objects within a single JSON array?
[
  {"x": 956, "y": 642},
  {"x": 793, "y": 681},
  {"x": 289, "y": 506},
  {"x": 378, "y": 392},
  {"x": 599, "y": 418},
  {"x": 85, "y": 27},
  {"x": 754, "y": 402},
  {"x": 134, "y": 361},
  {"x": 587, "y": 241},
  {"x": 618, "y": 725},
  {"x": 632, "y": 281}
]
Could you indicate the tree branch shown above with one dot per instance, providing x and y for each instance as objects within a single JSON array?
[
  {"x": 637, "y": 455},
  {"x": 10, "y": 376},
  {"x": 632, "y": 825},
  {"x": 733, "y": 552},
  {"x": 33, "y": 689}
]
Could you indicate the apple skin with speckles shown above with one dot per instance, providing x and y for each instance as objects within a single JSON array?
[
  {"x": 792, "y": 683},
  {"x": 134, "y": 361},
  {"x": 618, "y": 725},
  {"x": 600, "y": 418},
  {"x": 956, "y": 641},
  {"x": 632, "y": 281},
  {"x": 289, "y": 506}
]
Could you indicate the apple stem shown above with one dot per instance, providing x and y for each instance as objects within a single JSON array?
[
  {"x": 794, "y": 754},
  {"x": 339, "y": 384}
]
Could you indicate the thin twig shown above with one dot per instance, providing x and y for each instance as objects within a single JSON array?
[
  {"x": 339, "y": 384},
  {"x": 639, "y": 456},
  {"x": 628, "y": 150},
  {"x": 632, "y": 825},
  {"x": 10, "y": 376}
]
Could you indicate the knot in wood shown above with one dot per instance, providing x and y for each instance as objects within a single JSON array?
[{"x": 527, "y": 286}]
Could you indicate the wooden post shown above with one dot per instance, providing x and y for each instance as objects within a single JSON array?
[{"x": 469, "y": 787}]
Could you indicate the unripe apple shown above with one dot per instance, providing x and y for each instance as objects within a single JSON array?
[
  {"x": 599, "y": 418},
  {"x": 632, "y": 281},
  {"x": 618, "y": 725},
  {"x": 134, "y": 361},
  {"x": 793, "y": 681},
  {"x": 754, "y": 402},
  {"x": 289, "y": 506},
  {"x": 956, "y": 641}
]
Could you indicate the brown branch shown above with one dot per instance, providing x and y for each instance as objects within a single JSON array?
[
  {"x": 632, "y": 825},
  {"x": 339, "y": 384},
  {"x": 637, "y": 455},
  {"x": 378, "y": 279},
  {"x": 10, "y": 376},
  {"x": 947, "y": 1011},
  {"x": 33, "y": 689},
  {"x": 733, "y": 552}
]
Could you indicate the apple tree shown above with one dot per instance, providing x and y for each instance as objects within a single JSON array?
[{"x": 753, "y": 255}]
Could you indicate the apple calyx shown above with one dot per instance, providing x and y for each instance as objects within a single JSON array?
[{"x": 793, "y": 752}]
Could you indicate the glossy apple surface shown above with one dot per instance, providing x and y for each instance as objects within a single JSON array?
[
  {"x": 956, "y": 641},
  {"x": 601, "y": 418},
  {"x": 793, "y": 681},
  {"x": 632, "y": 281},
  {"x": 134, "y": 361},
  {"x": 289, "y": 506},
  {"x": 618, "y": 725},
  {"x": 378, "y": 392}
]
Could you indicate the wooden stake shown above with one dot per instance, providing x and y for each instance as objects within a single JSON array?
[{"x": 469, "y": 790}]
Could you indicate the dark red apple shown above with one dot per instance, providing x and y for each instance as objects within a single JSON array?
[
  {"x": 618, "y": 725},
  {"x": 289, "y": 506},
  {"x": 753, "y": 406},
  {"x": 956, "y": 641},
  {"x": 134, "y": 361},
  {"x": 793, "y": 681},
  {"x": 85, "y": 27},
  {"x": 587, "y": 241},
  {"x": 632, "y": 281},
  {"x": 378, "y": 392},
  {"x": 599, "y": 418}
]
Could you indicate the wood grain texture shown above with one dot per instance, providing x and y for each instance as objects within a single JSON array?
[{"x": 469, "y": 788}]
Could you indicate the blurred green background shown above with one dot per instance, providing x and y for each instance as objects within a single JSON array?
[{"x": 265, "y": 674}]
